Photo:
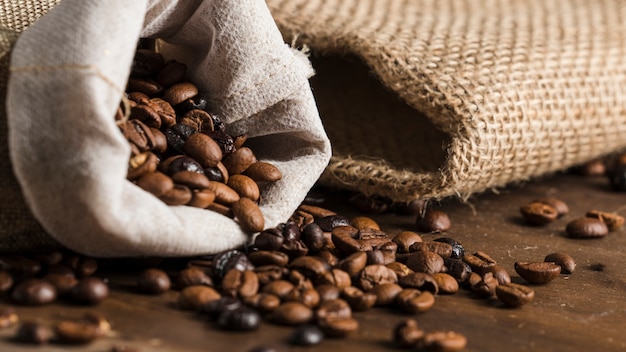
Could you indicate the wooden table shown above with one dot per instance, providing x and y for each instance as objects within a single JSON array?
[{"x": 584, "y": 311}]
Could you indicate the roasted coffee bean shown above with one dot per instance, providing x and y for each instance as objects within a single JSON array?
[
  {"x": 64, "y": 284},
  {"x": 197, "y": 119},
  {"x": 221, "y": 209},
  {"x": 414, "y": 207},
  {"x": 145, "y": 86},
  {"x": 196, "y": 103},
  {"x": 357, "y": 299},
  {"x": 306, "y": 335},
  {"x": 179, "y": 163},
  {"x": 388, "y": 251},
  {"x": 316, "y": 211},
  {"x": 239, "y": 160},
  {"x": 444, "y": 250},
  {"x": 328, "y": 292},
  {"x": 330, "y": 256},
  {"x": 245, "y": 187},
  {"x": 202, "y": 198},
  {"x": 191, "y": 179},
  {"x": 375, "y": 257},
  {"x": 260, "y": 258},
  {"x": 307, "y": 296},
  {"x": 386, "y": 293},
  {"x": 328, "y": 223},
  {"x": 6, "y": 281},
  {"x": 180, "y": 92},
  {"x": 560, "y": 206},
  {"x": 333, "y": 310},
  {"x": 146, "y": 63},
  {"x": 362, "y": 222},
  {"x": 413, "y": 301},
  {"x": 538, "y": 272},
  {"x": 586, "y": 228},
  {"x": 203, "y": 149},
  {"x": 343, "y": 237},
  {"x": 280, "y": 288},
  {"x": 483, "y": 285},
  {"x": 336, "y": 277},
  {"x": 405, "y": 240},
  {"x": 478, "y": 261},
  {"x": 153, "y": 281},
  {"x": 172, "y": 72},
  {"x": 299, "y": 280},
  {"x": 177, "y": 195},
  {"x": 269, "y": 240},
  {"x": 140, "y": 164},
  {"x": 311, "y": 267},
  {"x": 499, "y": 273},
  {"x": 239, "y": 319},
  {"x": 446, "y": 283},
  {"x": 458, "y": 251},
  {"x": 90, "y": 290},
  {"x": 457, "y": 269},
  {"x": 564, "y": 260},
  {"x": 354, "y": 263},
  {"x": 448, "y": 341},
  {"x": 177, "y": 136},
  {"x": 376, "y": 274},
  {"x": 536, "y": 213},
  {"x": 237, "y": 283},
  {"x": 196, "y": 297},
  {"x": 407, "y": 334},
  {"x": 249, "y": 215},
  {"x": 421, "y": 281},
  {"x": 156, "y": 183},
  {"x": 433, "y": 221},
  {"x": 313, "y": 237},
  {"x": 290, "y": 231},
  {"x": 193, "y": 276},
  {"x": 269, "y": 273},
  {"x": 8, "y": 317},
  {"x": 34, "y": 292},
  {"x": 76, "y": 332},
  {"x": 264, "y": 302},
  {"x": 292, "y": 313},
  {"x": 223, "y": 194},
  {"x": 294, "y": 248},
  {"x": 32, "y": 332},
  {"x": 613, "y": 221},
  {"x": 400, "y": 269},
  {"x": 425, "y": 262},
  {"x": 339, "y": 327},
  {"x": 514, "y": 295},
  {"x": 239, "y": 140},
  {"x": 225, "y": 142},
  {"x": 225, "y": 261},
  {"x": 216, "y": 307}
]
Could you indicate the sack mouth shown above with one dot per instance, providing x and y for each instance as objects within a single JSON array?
[{"x": 373, "y": 132}]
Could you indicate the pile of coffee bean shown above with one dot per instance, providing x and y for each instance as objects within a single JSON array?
[{"x": 181, "y": 152}]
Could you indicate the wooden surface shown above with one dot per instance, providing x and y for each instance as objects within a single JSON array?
[{"x": 584, "y": 311}]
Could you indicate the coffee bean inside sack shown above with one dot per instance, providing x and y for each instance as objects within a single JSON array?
[{"x": 181, "y": 151}]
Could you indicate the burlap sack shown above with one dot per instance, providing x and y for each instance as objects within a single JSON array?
[
  {"x": 68, "y": 71},
  {"x": 492, "y": 91}
]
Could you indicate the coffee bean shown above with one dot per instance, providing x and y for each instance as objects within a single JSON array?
[
  {"x": 400, "y": 269},
  {"x": 203, "y": 149},
  {"x": 444, "y": 250},
  {"x": 405, "y": 240},
  {"x": 448, "y": 341},
  {"x": 64, "y": 284},
  {"x": 31, "y": 332},
  {"x": 228, "y": 260},
  {"x": 179, "y": 163},
  {"x": 564, "y": 260},
  {"x": 336, "y": 309},
  {"x": 177, "y": 195},
  {"x": 425, "y": 262},
  {"x": 362, "y": 222},
  {"x": 538, "y": 272},
  {"x": 239, "y": 161},
  {"x": 140, "y": 164},
  {"x": 76, "y": 332},
  {"x": 458, "y": 251},
  {"x": 193, "y": 276},
  {"x": 6, "y": 281},
  {"x": 514, "y": 295},
  {"x": 34, "y": 292},
  {"x": 339, "y": 327},
  {"x": 386, "y": 293},
  {"x": 306, "y": 335},
  {"x": 414, "y": 301},
  {"x": 90, "y": 290},
  {"x": 499, "y": 273},
  {"x": 264, "y": 302},
  {"x": 536, "y": 213},
  {"x": 613, "y": 221},
  {"x": 560, "y": 206},
  {"x": 216, "y": 307},
  {"x": 245, "y": 187},
  {"x": 153, "y": 281},
  {"x": 269, "y": 240},
  {"x": 202, "y": 198},
  {"x": 407, "y": 333},
  {"x": 225, "y": 142},
  {"x": 280, "y": 288},
  {"x": 156, "y": 183},
  {"x": 316, "y": 211},
  {"x": 239, "y": 319},
  {"x": 249, "y": 215},
  {"x": 292, "y": 313},
  {"x": 223, "y": 194},
  {"x": 483, "y": 285},
  {"x": 376, "y": 274},
  {"x": 195, "y": 297},
  {"x": 478, "y": 261},
  {"x": 458, "y": 269},
  {"x": 8, "y": 317},
  {"x": 421, "y": 281},
  {"x": 193, "y": 180},
  {"x": 313, "y": 237},
  {"x": 172, "y": 72},
  {"x": 180, "y": 92},
  {"x": 328, "y": 292},
  {"x": 336, "y": 277},
  {"x": 586, "y": 228},
  {"x": 354, "y": 263},
  {"x": 311, "y": 267},
  {"x": 177, "y": 136},
  {"x": 260, "y": 258},
  {"x": 446, "y": 283},
  {"x": 269, "y": 273},
  {"x": 198, "y": 119},
  {"x": 433, "y": 221},
  {"x": 237, "y": 283},
  {"x": 307, "y": 296},
  {"x": 328, "y": 223}
]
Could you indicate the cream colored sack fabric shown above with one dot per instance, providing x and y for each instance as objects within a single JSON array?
[
  {"x": 68, "y": 74},
  {"x": 494, "y": 91}
]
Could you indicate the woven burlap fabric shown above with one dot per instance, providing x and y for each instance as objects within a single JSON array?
[
  {"x": 506, "y": 90},
  {"x": 19, "y": 231},
  {"x": 70, "y": 159}
]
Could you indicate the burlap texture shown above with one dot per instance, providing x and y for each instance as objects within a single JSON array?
[{"x": 506, "y": 90}]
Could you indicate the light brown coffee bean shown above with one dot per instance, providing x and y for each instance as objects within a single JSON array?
[
  {"x": 156, "y": 183},
  {"x": 405, "y": 240},
  {"x": 262, "y": 301},
  {"x": 64, "y": 284},
  {"x": 196, "y": 297},
  {"x": 191, "y": 179},
  {"x": 180, "y": 92},
  {"x": 386, "y": 293},
  {"x": 263, "y": 172},
  {"x": 199, "y": 120},
  {"x": 354, "y": 263},
  {"x": 291, "y": 313},
  {"x": 76, "y": 332},
  {"x": 203, "y": 149},
  {"x": 400, "y": 269},
  {"x": 483, "y": 285},
  {"x": 279, "y": 288},
  {"x": 448, "y": 341},
  {"x": 307, "y": 296},
  {"x": 407, "y": 334},
  {"x": 221, "y": 209},
  {"x": 261, "y": 258},
  {"x": 499, "y": 273},
  {"x": 245, "y": 187},
  {"x": 193, "y": 276},
  {"x": 201, "y": 198},
  {"x": 238, "y": 161},
  {"x": 178, "y": 195},
  {"x": 586, "y": 228},
  {"x": 363, "y": 222},
  {"x": 328, "y": 292},
  {"x": 425, "y": 262},
  {"x": 514, "y": 295},
  {"x": 421, "y": 281},
  {"x": 140, "y": 164},
  {"x": 433, "y": 221},
  {"x": 223, "y": 194},
  {"x": 536, "y": 213},
  {"x": 333, "y": 310},
  {"x": 538, "y": 272},
  {"x": 146, "y": 86},
  {"x": 336, "y": 277},
  {"x": 478, "y": 261},
  {"x": 564, "y": 260},
  {"x": 446, "y": 283},
  {"x": 413, "y": 301},
  {"x": 238, "y": 283},
  {"x": 560, "y": 206},
  {"x": 357, "y": 299},
  {"x": 339, "y": 327},
  {"x": 376, "y": 274},
  {"x": 613, "y": 221},
  {"x": 249, "y": 215},
  {"x": 164, "y": 110}
]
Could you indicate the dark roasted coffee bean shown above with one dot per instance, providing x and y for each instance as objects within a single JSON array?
[
  {"x": 478, "y": 261},
  {"x": 196, "y": 297},
  {"x": 90, "y": 290},
  {"x": 31, "y": 332},
  {"x": 538, "y": 272},
  {"x": 306, "y": 335},
  {"x": 290, "y": 231},
  {"x": 269, "y": 273},
  {"x": 64, "y": 284},
  {"x": 191, "y": 179},
  {"x": 407, "y": 334},
  {"x": 146, "y": 63},
  {"x": 223, "y": 140},
  {"x": 413, "y": 301},
  {"x": 446, "y": 283},
  {"x": 425, "y": 262},
  {"x": 34, "y": 292},
  {"x": 214, "y": 174},
  {"x": 560, "y": 206},
  {"x": 292, "y": 313},
  {"x": 448, "y": 341},
  {"x": 586, "y": 228},
  {"x": 195, "y": 103},
  {"x": 177, "y": 135},
  {"x": 328, "y": 223},
  {"x": 179, "y": 163},
  {"x": 294, "y": 248},
  {"x": 225, "y": 261},
  {"x": 8, "y": 317},
  {"x": 239, "y": 319},
  {"x": 433, "y": 221},
  {"x": 537, "y": 213},
  {"x": 564, "y": 260},
  {"x": 269, "y": 240},
  {"x": 405, "y": 240},
  {"x": 216, "y": 307},
  {"x": 313, "y": 237},
  {"x": 613, "y": 221},
  {"x": 458, "y": 269},
  {"x": 153, "y": 281},
  {"x": 458, "y": 251},
  {"x": 514, "y": 295}
]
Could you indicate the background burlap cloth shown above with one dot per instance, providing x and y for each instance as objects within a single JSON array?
[{"x": 506, "y": 89}]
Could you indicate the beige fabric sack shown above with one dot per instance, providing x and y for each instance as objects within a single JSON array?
[
  {"x": 477, "y": 94},
  {"x": 68, "y": 72}
]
